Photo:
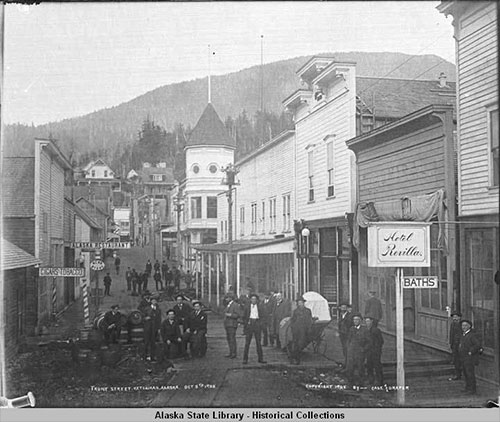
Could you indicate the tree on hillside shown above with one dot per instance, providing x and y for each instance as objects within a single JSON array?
[{"x": 151, "y": 145}]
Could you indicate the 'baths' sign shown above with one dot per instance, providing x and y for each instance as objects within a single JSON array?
[{"x": 398, "y": 244}]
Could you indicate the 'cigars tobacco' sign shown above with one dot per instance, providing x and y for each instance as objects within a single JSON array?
[{"x": 399, "y": 245}]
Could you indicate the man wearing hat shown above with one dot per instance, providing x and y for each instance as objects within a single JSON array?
[
  {"x": 469, "y": 349},
  {"x": 374, "y": 353},
  {"x": 358, "y": 345},
  {"x": 182, "y": 311},
  {"x": 300, "y": 324},
  {"x": 232, "y": 313},
  {"x": 145, "y": 301},
  {"x": 112, "y": 325},
  {"x": 455, "y": 335},
  {"x": 171, "y": 335},
  {"x": 196, "y": 329},
  {"x": 253, "y": 316},
  {"x": 282, "y": 309},
  {"x": 268, "y": 304},
  {"x": 152, "y": 323},
  {"x": 344, "y": 325}
]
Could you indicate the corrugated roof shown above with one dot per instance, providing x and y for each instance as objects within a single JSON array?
[
  {"x": 18, "y": 186},
  {"x": 210, "y": 130},
  {"x": 13, "y": 257},
  {"x": 395, "y": 98}
]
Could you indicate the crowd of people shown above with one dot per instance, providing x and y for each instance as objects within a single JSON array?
[{"x": 182, "y": 331}]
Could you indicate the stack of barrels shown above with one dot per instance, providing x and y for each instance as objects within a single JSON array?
[{"x": 136, "y": 327}]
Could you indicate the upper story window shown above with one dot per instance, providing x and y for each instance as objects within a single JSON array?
[
  {"x": 286, "y": 213},
  {"x": 254, "y": 218},
  {"x": 196, "y": 168},
  {"x": 493, "y": 145},
  {"x": 211, "y": 207},
  {"x": 212, "y": 168},
  {"x": 242, "y": 221},
  {"x": 272, "y": 215},
  {"x": 263, "y": 218},
  {"x": 93, "y": 173},
  {"x": 310, "y": 173},
  {"x": 157, "y": 177},
  {"x": 330, "y": 170},
  {"x": 196, "y": 207},
  {"x": 105, "y": 173}
]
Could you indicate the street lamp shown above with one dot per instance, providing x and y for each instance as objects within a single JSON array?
[{"x": 230, "y": 180}]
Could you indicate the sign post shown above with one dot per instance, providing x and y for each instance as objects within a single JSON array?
[{"x": 399, "y": 244}]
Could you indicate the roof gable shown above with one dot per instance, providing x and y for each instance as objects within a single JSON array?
[
  {"x": 210, "y": 130},
  {"x": 394, "y": 98}
]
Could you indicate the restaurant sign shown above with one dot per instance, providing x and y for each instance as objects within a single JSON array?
[{"x": 399, "y": 244}]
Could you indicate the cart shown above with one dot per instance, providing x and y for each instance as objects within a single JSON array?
[{"x": 321, "y": 319}]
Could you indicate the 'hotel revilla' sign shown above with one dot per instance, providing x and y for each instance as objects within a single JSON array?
[{"x": 398, "y": 244}]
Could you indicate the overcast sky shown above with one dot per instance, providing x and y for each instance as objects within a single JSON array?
[{"x": 64, "y": 60}]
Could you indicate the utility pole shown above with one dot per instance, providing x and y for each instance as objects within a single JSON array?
[
  {"x": 230, "y": 180},
  {"x": 179, "y": 206}
]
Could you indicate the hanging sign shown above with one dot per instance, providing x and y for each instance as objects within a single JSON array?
[
  {"x": 61, "y": 272},
  {"x": 399, "y": 244},
  {"x": 101, "y": 245}
]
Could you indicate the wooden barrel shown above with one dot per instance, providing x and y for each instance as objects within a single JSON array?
[
  {"x": 137, "y": 333},
  {"x": 99, "y": 321},
  {"x": 123, "y": 335},
  {"x": 135, "y": 318}
]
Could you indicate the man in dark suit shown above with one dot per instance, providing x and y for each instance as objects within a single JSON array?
[
  {"x": 373, "y": 307},
  {"x": 455, "y": 336},
  {"x": 282, "y": 309},
  {"x": 300, "y": 324},
  {"x": 197, "y": 330},
  {"x": 231, "y": 315},
  {"x": 344, "y": 325},
  {"x": 268, "y": 304},
  {"x": 253, "y": 316},
  {"x": 171, "y": 335},
  {"x": 182, "y": 311},
  {"x": 374, "y": 353},
  {"x": 112, "y": 325},
  {"x": 152, "y": 323},
  {"x": 358, "y": 345},
  {"x": 469, "y": 349}
]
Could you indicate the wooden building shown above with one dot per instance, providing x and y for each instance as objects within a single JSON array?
[
  {"x": 406, "y": 172},
  {"x": 476, "y": 35},
  {"x": 18, "y": 275}
]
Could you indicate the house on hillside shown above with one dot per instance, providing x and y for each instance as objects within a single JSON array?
[
  {"x": 476, "y": 35},
  {"x": 99, "y": 173}
]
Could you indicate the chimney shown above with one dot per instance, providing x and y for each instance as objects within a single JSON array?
[{"x": 442, "y": 80}]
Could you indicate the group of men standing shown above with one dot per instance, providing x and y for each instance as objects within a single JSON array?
[
  {"x": 362, "y": 343},
  {"x": 138, "y": 282},
  {"x": 184, "y": 325}
]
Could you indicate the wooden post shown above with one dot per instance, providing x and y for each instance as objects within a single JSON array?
[
  {"x": 202, "y": 274},
  {"x": 238, "y": 275},
  {"x": 400, "y": 374},
  {"x": 210, "y": 276},
  {"x": 218, "y": 277},
  {"x": 197, "y": 278}
]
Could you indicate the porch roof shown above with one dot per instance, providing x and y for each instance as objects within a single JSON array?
[{"x": 248, "y": 246}]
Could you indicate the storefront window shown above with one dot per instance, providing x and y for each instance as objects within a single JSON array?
[
  {"x": 314, "y": 242},
  {"x": 480, "y": 270},
  {"x": 328, "y": 242},
  {"x": 329, "y": 279}
]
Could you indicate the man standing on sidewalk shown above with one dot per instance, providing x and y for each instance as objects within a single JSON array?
[
  {"x": 374, "y": 353},
  {"x": 469, "y": 350},
  {"x": 282, "y": 309},
  {"x": 455, "y": 336},
  {"x": 357, "y": 347},
  {"x": 252, "y": 319},
  {"x": 164, "y": 270},
  {"x": 117, "y": 264},
  {"x": 344, "y": 325},
  {"x": 107, "y": 285},
  {"x": 231, "y": 315}
]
